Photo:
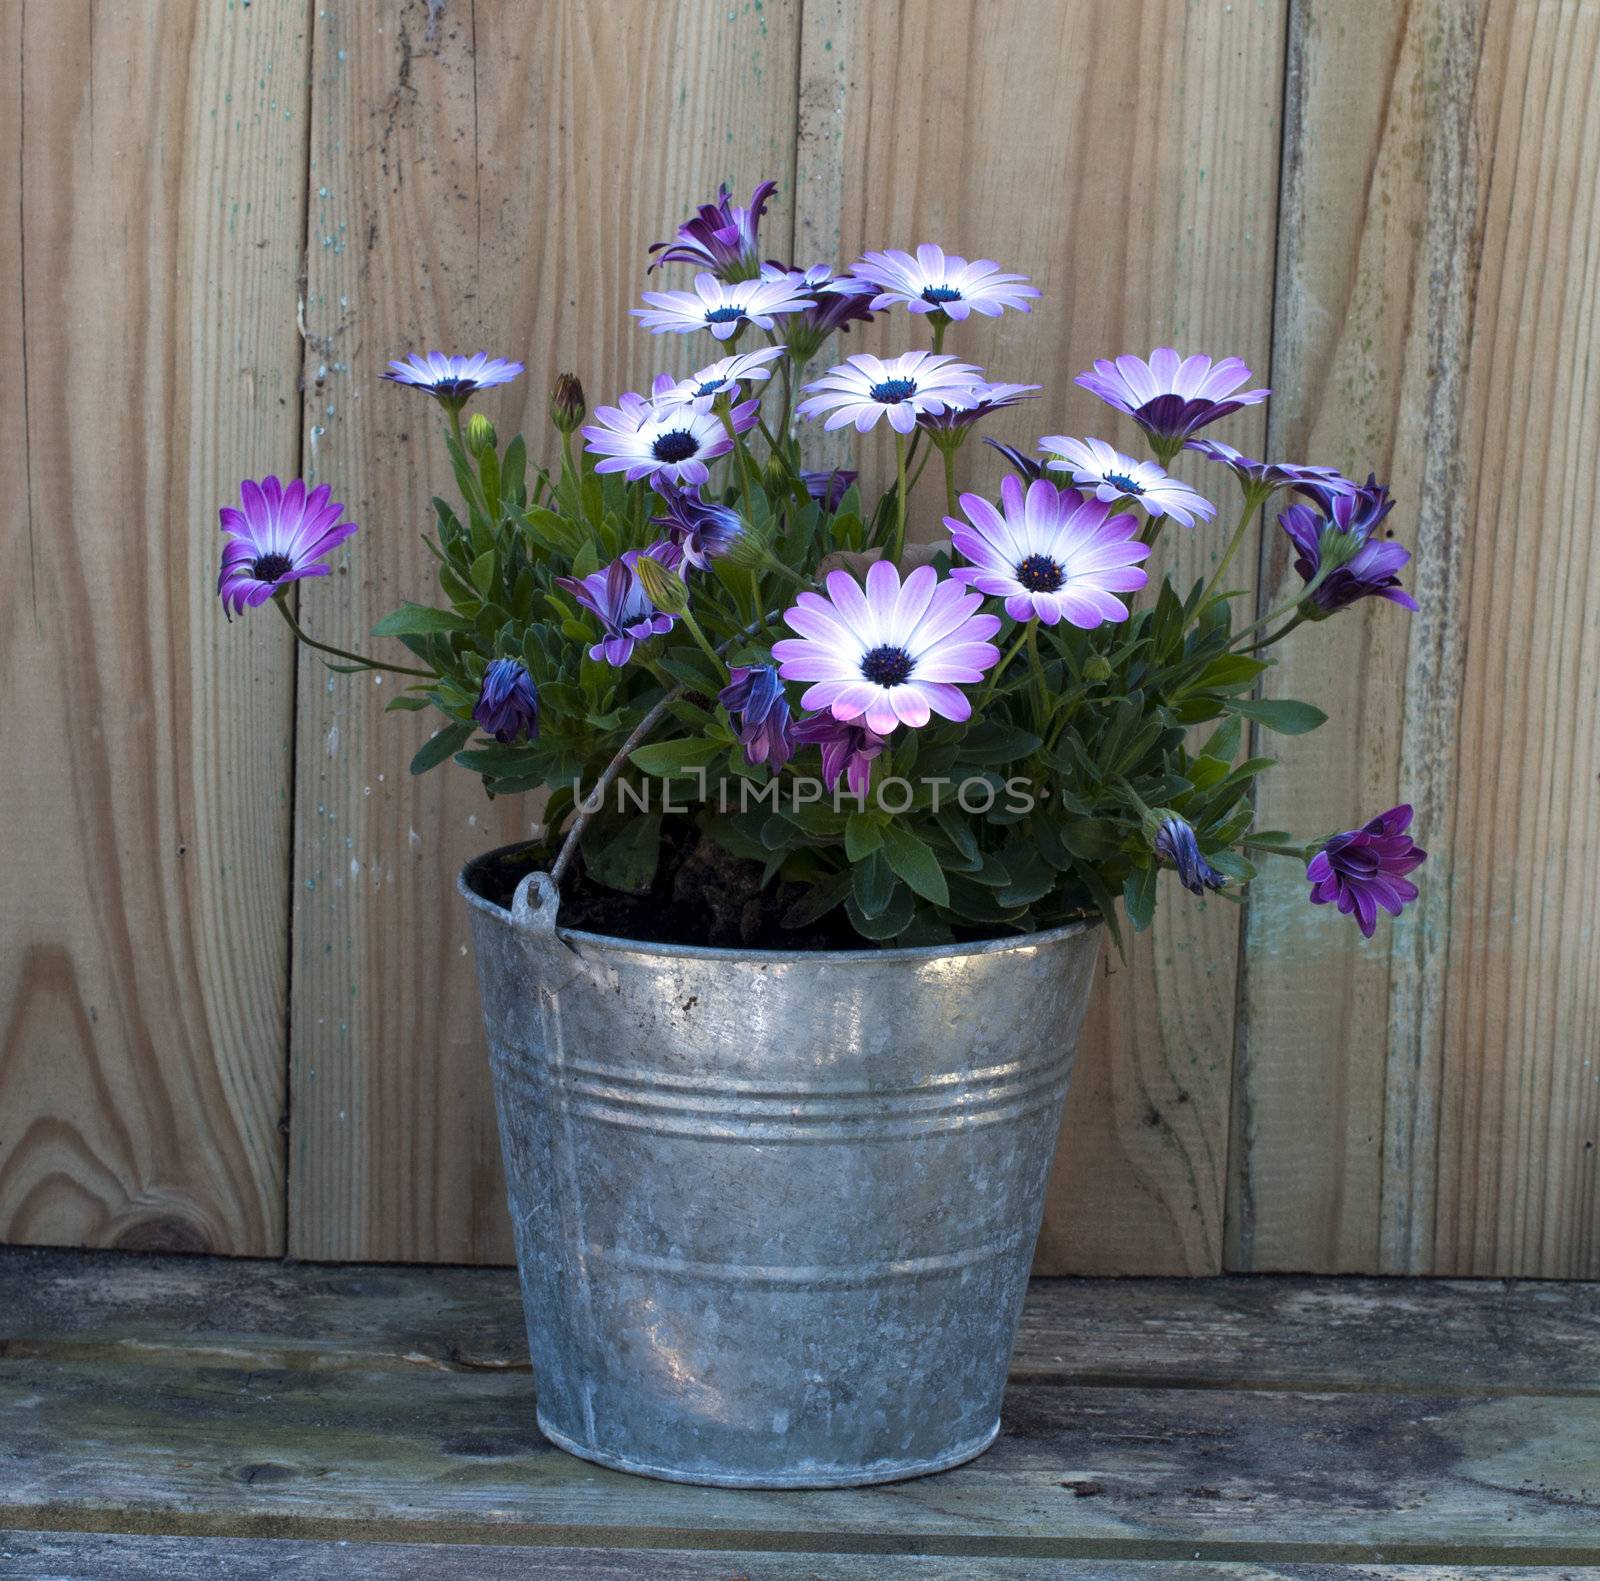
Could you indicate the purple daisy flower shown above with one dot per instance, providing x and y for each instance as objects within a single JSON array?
[
  {"x": 508, "y": 702},
  {"x": 836, "y": 301},
  {"x": 863, "y": 388},
  {"x": 1340, "y": 535},
  {"x": 891, "y": 655},
  {"x": 723, "y": 377},
  {"x": 701, "y": 529},
  {"x": 646, "y": 439},
  {"x": 1027, "y": 468},
  {"x": 829, "y": 487},
  {"x": 755, "y": 695},
  {"x": 1176, "y": 842},
  {"x": 1051, "y": 554},
  {"x": 277, "y": 536},
  {"x": 1266, "y": 477},
  {"x": 1092, "y": 463},
  {"x": 1170, "y": 396},
  {"x": 977, "y": 400},
  {"x": 1365, "y": 868},
  {"x": 847, "y": 750},
  {"x": 616, "y": 599},
  {"x": 723, "y": 307},
  {"x": 452, "y": 379},
  {"x": 721, "y": 237},
  {"x": 932, "y": 282}
]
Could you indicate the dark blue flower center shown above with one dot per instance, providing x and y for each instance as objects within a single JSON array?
[
  {"x": 452, "y": 389},
  {"x": 723, "y": 315},
  {"x": 678, "y": 445},
  {"x": 1040, "y": 574},
  {"x": 887, "y": 665},
  {"x": 1123, "y": 483},
  {"x": 938, "y": 294},
  {"x": 892, "y": 391},
  {"x": 269, "y": 567},
  {"x": 710, "y": 387}
]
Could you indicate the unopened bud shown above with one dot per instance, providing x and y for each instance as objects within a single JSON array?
[
  {"x": 481, "y": 437},
  {"x": 1097, "y": 669},
  {"x": 664, "y": 588},
  {"x": 567, "y": 408}
]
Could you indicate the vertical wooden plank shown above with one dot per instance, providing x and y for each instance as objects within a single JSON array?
[
  {"x": 1143, "y": 205},
  {"x": 149, "y": 237},
  {"x": 1426, "y": 1103},
  {"x": 482, "y": 176}
]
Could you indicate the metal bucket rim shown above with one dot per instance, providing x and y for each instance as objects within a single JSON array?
[{"x": 721, "y": 952}]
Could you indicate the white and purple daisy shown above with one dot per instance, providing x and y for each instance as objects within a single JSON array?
[
  {"x": 723, "y": 377},
  {"x": 755, "y": 699},
  {"x": 1365, "y": 868},
  {"x": 452, "y": 379},
  {"x": 645, "y": 439},
  {"x": 1267, "y": 477},
  {"x": 863, "y": 388},
  {"x": 615, "y": 597},
  {"x": 1093, "y": 464},
  {"x": 894, "y": 654},
  {"x": 836, "y": 301},
  {"x": 977, "y": 400},
  {"x": 931, "y": 282},
  {"x": 722, "y": 237},
  {"x": 508, "y": 702},
  {"x": 277, "y": 535},
  {"x": 701, "y": 529},
  {"x": 1170, "y": 396},
  {"x": 723, "y": 307},
  {"x": 1050, "y": 554},
  {"x": 1338, "y": 535},
  {"x": 847, "y": 750}
]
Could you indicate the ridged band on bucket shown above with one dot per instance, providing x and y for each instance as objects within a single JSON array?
[{"x": 774, "y": 1211}]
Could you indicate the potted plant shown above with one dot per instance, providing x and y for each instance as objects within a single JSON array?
[{"x": 782, "y": 1005}]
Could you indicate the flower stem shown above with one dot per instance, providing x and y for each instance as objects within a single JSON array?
[
  {"x": 1283, "y": 631},
  {"x": 1289, "y": 606},
  {"x": 741, "y": 461},
  {"x": 949, "y": 454},
  {"x": 281, "y": 600},
  {"x": 1253, "y": 501},
  {"x": 999, "y": 669},
  {"x": 941, "y": 323},
  {"x": 693, "y": 627},
  {"x": 899, "y": 498},
  {"x": 1041, "y": 692}
]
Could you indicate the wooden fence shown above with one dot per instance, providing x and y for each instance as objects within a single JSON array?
[{"x": 238, "y": 1006}]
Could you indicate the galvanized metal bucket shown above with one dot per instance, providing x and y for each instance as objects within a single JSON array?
[{"x": 774, "y": 1211}]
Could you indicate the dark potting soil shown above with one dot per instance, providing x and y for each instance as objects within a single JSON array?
[{"x": 701, "y": 895}]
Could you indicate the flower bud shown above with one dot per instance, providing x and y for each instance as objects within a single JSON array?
[
  {"x": 663, "y": 587},
  {"x": 481, "y": 437},
  {"x": 567, "y": 408},
  {"x": 1097, "y": 669}
]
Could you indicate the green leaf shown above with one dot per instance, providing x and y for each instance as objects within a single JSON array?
[
  {"x": 419, "y": 620},
  {"x": 862, "y": 836},
  {"x": 1139, "y": 897},
  {"x": 872, "y": 886},
  {"x": 667, "y": 758},
  {"x": 1224, "y": 740},
  {"x": 889, "y": 923},
  {"x": 483, "y": 573},
  {"x": 1233, "y": 865},
  {"x": 627, "y": 861},
  {"x": 406, "y": 704},
  {"x": 436, "y": 749},
  {"x": 1282, "y": 714},
  {"x": 913, "y": 860},
  {"x": 818, "y": 901}
]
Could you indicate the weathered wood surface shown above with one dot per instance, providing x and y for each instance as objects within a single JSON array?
[
  {"x": 151, "y": 192},
  {"x": 1264, "y": 1333},
  {"x": 74, "y": 1556},
  {"x": 1120, "y": 1473},
  {"x": 1427, "y": 1103},
  {"x": 997, "y": 133},
  {"x": 483, "y": 176}
]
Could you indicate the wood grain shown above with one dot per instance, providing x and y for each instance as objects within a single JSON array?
[
  {"x": 483, "y": 176},
  {"x": 1212, "y": 1474},
  {"x": 1426, "y": 1103},
  {"x": 87, "y": 1556},
  {"x": 1143, "y": 206},
  {"x": 152, "y": 201},
  {"x": 1323, "y": 1335}
]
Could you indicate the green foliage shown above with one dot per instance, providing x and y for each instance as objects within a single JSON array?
[{"x": 1035, "y": 812}]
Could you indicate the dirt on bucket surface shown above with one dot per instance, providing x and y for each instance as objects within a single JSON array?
[{"x": 701, "y": 895}]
